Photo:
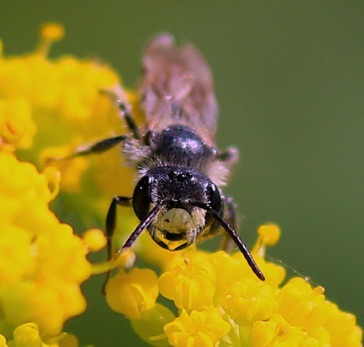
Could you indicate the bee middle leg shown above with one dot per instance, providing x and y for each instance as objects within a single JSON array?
[
  {"x": 95, "y": 148},
  {"x": 101, "y": 146},
  {"x": 108, "y": 143}
]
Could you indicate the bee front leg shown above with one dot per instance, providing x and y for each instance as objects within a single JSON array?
[
  {"x": 111, "y": 219},
  {"x": 111, "y": 222},
  {"x": 111, "y": 226}
]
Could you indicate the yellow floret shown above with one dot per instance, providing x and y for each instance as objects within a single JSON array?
[
  {"x": 191, "y": 283},
  {"x": 52, "y": 31},
  {"x": 94, "y": 239},
  {"x": 197, "y": 329},
  {"x": 132, "y": 293}
]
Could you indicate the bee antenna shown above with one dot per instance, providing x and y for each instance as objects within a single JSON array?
[
  {"x": 139, "y": 229},
  {"x": 235, "y": 237}
]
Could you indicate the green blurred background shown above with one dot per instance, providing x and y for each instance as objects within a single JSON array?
[{"x": 289, "y": 79}]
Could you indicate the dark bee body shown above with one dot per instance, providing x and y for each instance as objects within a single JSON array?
[
  {"x": 181, "y": 146},
  {"x": 179, "y": 182},
  {"x": 178, "y": 196},
  {"x": 172, "y": 176}
]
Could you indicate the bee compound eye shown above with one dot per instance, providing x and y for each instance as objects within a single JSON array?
[
  {"x": 214, "y": 200},
  {"x": 142, "y": 197},
  {"x": 214, "y": 197}
]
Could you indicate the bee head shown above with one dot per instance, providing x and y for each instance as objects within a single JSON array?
[{"x": 178, "y": 191}]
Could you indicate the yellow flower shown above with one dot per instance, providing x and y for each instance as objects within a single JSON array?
[
  {"x": 221, "y": 301},
  {"x": 3, "y": 341},
  {"x": 48, "y": 107},
  {"x": 34, "y": 253},
  {"x": 16, "y": 125},
  {"x": 249, "y": 300},
  {"x": 191, "y": 283},
  {"x": 41, "y": 97},
  {"x": 132, "y": 293},
  {"x": 150, "y": 326},
  {"x": 197, "y": 329},
  {"x": 307, "y": 308},
  {"x": 28, "y": 335},
  {"x": 277, "y": 332},
  {"x": 94, "y": 239}
]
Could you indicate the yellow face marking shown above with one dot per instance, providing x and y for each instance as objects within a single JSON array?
[{"x": 176, "y": 221}]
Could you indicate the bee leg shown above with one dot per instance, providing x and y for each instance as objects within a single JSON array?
[
  {"x": 124, "y": 107},
  {"x": 129, "y": 120},
  {"x": 95, "y": 148},
  {"x": 101, "y": 146},
  {"x": 230, "y": 156},
  {"x": 110, "y": 228}
]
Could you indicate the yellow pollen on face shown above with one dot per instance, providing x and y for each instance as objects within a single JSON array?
[{"x": 176, "y": 220}]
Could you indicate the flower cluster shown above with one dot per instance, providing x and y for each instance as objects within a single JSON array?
[
  {"x": 48, "y": 107},
  {"x": 42, "y": 261},
  {"x": 220, "y": 302},
  {"x": 35, "y": 250}
]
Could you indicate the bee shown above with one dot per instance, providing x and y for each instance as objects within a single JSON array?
[{"x": 178, "y": 197}]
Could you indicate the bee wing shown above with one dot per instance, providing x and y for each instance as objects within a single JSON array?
[{"x": 177, "y": 88}]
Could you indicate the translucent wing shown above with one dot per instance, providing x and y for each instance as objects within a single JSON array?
[{"x": 177, "y": 88}]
